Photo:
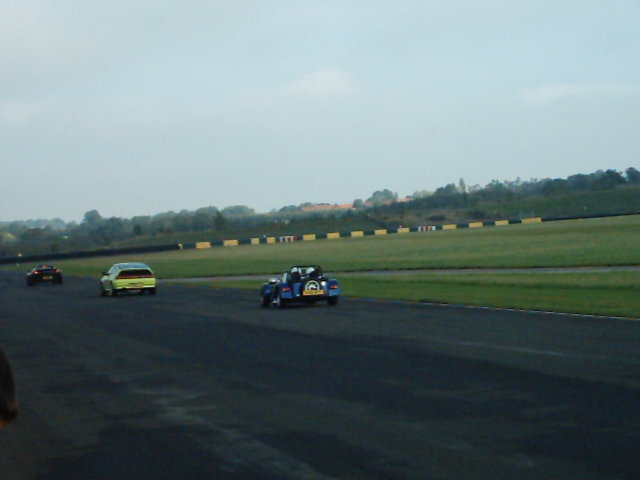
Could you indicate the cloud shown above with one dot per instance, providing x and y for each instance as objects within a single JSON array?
[
  {"x": 321, "y": 84},
  {"x": 38, "y": 45},
  {"x": 16, "y": 114},
  {"x": 546, "y": 94},
  {"x": 325, "y": 88}
]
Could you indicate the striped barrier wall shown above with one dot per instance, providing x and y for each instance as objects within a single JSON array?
[{"x": 359, "y": 233}]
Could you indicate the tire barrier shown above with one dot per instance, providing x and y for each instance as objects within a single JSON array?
[{"x": 107, "y": 252}]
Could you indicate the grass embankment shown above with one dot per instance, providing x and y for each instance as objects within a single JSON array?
[{"x": 598, "y": 242}]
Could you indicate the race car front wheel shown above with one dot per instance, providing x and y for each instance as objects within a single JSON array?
[{"x": 265, "y": 300}]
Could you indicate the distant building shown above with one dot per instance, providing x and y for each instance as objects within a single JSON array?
[{"x": 328, "y": 207}]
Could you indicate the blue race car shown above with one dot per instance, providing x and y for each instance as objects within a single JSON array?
[{"x": 300, "y": 284}]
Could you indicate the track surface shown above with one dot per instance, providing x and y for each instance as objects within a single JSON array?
[{"x": 203, "y": 384}]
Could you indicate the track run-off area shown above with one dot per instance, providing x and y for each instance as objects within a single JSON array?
[{"x": 200, "y": 383}]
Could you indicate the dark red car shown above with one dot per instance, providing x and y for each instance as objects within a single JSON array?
[{"x": 44, "y": 273}]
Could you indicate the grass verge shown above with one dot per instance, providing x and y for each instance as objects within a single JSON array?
[{"x": 595, "y": 293}]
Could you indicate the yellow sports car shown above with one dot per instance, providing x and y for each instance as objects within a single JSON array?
[{"x": 128, "y": 277}]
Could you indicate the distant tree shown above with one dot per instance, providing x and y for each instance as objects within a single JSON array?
[
  {"x": 555, "y": 186},
  {"x": 633, "y": 175},
  {"x": 421, "y": 194},
  {"x": 92, "y": 218},
  {"x": 495, "y": 191},
  {"x": 381, "y": 197},
  {"x": 114, "y": 227},
  {"x": 238, "y": 210},
  {"x": 220, "y": 222},
  {"x": 462, "y": 186},
  {"x": 33, "y": 235},
  {"x": 182, "y": 222},
  {"x": 358, "y": 203},
  {"x": 608, "y": 180},
  {"x": 203, "y": 221},
  {"x": 448, "y": 190},
  {"x": 580, "y": 182},
  {"x": 7, "y": 238},
  {"x": 289, "y": 209},
  {"x": 210, "y": 210}
]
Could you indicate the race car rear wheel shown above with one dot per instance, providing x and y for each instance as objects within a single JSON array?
[
  {"x": 332, "y": 301},
  {"x": 279, "y": 301}
]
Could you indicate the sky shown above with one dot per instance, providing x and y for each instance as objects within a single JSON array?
[{"x": 141, "y": 107}]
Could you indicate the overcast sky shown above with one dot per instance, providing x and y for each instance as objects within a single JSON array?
[{"x": 137, "y": 107}]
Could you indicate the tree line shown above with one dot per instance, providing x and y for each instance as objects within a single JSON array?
[{"x": 381, "y": 208}]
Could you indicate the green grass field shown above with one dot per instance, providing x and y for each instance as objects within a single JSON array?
[
  {"x": 597, "y": 242},
  {"x": 596, "y": 293}
]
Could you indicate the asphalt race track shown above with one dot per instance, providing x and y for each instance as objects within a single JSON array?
[{"x": 196, "y": 383}]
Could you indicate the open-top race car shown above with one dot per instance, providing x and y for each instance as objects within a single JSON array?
[
  {"x": 44, "y": 273},
  {"x": 301, "y": 284}
]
